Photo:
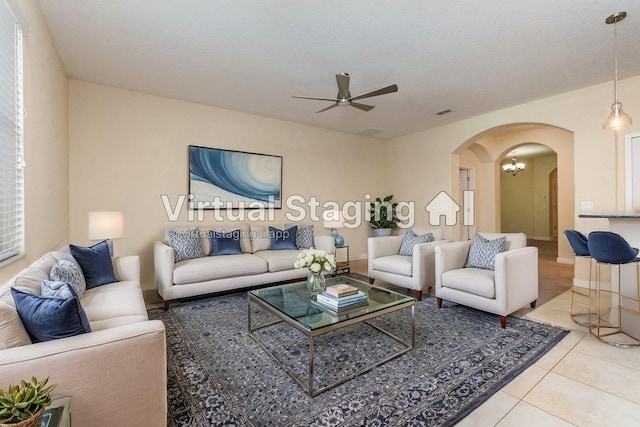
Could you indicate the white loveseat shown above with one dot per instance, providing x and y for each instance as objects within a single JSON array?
[
  {"x": 116, "y": 375},
  {"x": 257, "y": 265},
  {"x": 414, "y": 272}
]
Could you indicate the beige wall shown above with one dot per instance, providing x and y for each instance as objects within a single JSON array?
[
  {"x": 45, "y": 142},
  {"x": 424, "y": 159},
  {"x": 142, "y": 139},
  {"x": 127, "y": 149}
]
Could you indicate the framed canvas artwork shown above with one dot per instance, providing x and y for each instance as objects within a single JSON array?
[{"x": 227, "y": 179}]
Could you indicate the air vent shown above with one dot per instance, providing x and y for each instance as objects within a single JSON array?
[{"x": 442, "y": 112}]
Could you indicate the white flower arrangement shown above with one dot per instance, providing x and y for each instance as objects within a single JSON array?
[{"x": 316, "y": 260}]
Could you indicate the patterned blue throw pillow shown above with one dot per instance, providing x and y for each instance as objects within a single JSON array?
[
  {"x": 304, "y": 237},
  {"x": 53, "y": 289},
  {"x": 186, "y": 244},
  {"x": 68, "y": 270},
  {"x": 410, "y": 239},
  {"x": 482, "y": 253}
]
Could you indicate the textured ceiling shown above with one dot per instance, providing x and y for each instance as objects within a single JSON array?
[{"x": 471, "y": 56}]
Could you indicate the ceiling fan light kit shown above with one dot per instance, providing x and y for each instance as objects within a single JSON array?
[{"x": 344, "y": 98}]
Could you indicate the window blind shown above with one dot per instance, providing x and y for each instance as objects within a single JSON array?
[{"x": 11, "y": 136}]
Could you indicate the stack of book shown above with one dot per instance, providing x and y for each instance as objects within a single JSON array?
[{"x": 342, "y": 297}]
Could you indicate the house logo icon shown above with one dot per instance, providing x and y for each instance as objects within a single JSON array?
[{"x": 442, "y": 205}]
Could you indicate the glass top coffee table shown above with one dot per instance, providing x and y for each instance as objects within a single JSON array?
[{"x": 294, "y": 305}]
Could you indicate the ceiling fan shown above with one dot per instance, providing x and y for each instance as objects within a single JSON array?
[{"x": 344, "y": 97}]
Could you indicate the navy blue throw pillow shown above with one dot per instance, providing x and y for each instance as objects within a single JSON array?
[
  {"x": 225, "y": 242},
  {"x": 95, "y": 263},
  {"x": 47, "y": 319},
  {"x": 283, "y": 239}
]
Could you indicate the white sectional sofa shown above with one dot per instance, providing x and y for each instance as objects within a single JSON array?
[
  {"x": 256, "y": 265},
  {"x": 116, "y": 375}
]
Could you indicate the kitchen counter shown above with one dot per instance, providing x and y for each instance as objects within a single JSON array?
[{"x": 625, "y": 224}]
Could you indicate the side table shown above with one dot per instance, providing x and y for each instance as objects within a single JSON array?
[
  {"x": 342, "y": 264},
  {"x": 58, "y": 414}
]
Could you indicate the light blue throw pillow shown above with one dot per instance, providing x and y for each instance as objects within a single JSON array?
[
  {"x": 53, "y": 289},
  {"x": 411, "y": 239},
  {"x": 482, "y": 253}
]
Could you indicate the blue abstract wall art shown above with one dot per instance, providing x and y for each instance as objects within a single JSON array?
[{"x": 233, "y": 179}]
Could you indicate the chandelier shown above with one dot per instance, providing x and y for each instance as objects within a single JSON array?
[{"x": 514, "y": 167}]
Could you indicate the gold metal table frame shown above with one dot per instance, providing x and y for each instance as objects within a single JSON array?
[{"x": 313, "y": 333}]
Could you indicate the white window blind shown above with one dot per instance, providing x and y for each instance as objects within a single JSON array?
[{"x": 11, "y": 136}]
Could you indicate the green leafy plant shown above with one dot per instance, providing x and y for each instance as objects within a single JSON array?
[
  {"x": 22, "y": 401},
  {"x": 383, "y": 213}
]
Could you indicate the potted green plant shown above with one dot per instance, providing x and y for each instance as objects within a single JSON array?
[
  {"x": 383, "y": 216},
  {"x": 23, "y": 404}
]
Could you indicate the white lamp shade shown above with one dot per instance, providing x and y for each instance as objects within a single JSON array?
[
  {"x": 333, "y": 219},
  {"x": 106, "y": 225}
]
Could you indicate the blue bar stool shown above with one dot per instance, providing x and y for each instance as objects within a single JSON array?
[
  {"x": 579, "y": 245},
  {"x": 616, "y": 313}
]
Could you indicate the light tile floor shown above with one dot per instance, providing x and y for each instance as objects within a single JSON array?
[{"x": 580, "y": 382}]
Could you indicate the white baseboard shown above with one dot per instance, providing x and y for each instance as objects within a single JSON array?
[
  {"x": 547, "y": 238},
  {"x": 564, "y": 260}
]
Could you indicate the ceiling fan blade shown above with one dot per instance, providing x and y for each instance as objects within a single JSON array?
[
  {"x": 363, "y": 107},
  {"x": 383, "y": 91},
  {"x": 343, "y": 85},
  {"x": 328, "y": 108},
  {"x": 318, "y": 99}
]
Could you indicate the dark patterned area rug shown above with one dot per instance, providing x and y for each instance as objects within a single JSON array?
[{"x": 218, "y": 375}]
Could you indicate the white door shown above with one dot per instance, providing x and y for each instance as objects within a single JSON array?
[{"x": 467, "y": 199}]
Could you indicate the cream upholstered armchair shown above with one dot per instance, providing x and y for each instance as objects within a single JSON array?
[
  {"x": 510, "y": 286},
  {"x": 414, "y": 271}
]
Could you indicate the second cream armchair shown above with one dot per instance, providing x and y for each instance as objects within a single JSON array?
[{"x": 512, "y": 285}]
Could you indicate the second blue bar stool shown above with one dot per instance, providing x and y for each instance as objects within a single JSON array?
[{"x": 616, "y": 310}]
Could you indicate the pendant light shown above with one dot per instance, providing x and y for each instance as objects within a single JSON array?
[{"x": 618, "y": 118}]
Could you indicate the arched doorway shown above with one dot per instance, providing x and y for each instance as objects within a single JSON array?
[{"x": 485, "y": 152}]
